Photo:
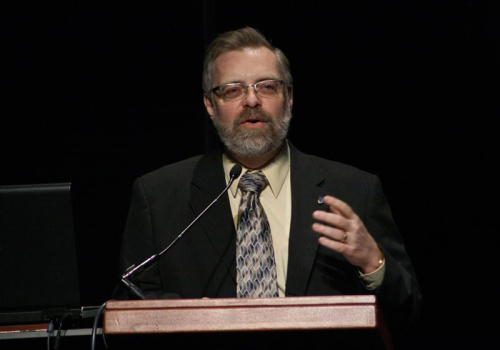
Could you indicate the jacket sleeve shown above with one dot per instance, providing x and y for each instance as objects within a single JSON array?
[{"x": 399, "y": 295}]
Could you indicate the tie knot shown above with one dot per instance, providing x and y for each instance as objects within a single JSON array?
[{"x": 252, "y": 182}]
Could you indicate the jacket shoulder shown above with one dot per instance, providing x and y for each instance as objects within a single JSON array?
[
  {"x": 330, "y": 167},
  {"x": 175, "y": 170}
]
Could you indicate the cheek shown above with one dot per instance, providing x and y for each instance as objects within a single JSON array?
[
  {"x": 277, "y": 110},
  {"x": 226, "y": 112}
]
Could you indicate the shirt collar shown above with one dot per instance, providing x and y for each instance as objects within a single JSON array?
[{"x": 275, "y": 172}]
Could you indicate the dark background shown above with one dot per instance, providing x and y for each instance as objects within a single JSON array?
[{"x": 97, "y": 95}]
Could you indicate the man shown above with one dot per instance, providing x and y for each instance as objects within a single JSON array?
[{"x": 331, "y": 226}]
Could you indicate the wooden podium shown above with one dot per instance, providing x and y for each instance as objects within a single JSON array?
[{"x": 233, "y": 315}]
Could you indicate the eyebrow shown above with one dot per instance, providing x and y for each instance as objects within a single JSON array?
[{"x": 257, "y": 81}]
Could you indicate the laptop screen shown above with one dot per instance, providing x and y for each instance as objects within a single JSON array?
[{"x": 38, "y": 262}]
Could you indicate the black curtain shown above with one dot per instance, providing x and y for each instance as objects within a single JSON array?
[{"x": 97, "y": 95}]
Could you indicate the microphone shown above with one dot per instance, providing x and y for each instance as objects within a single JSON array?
[{"x": 233, "y": 174}]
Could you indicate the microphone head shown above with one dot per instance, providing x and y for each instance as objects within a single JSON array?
[{"x": 235, "y": 171}]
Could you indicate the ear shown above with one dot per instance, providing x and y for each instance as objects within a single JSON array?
[
  {"x": 290, "y": 97},
  {"x": 209, "y": 106}
]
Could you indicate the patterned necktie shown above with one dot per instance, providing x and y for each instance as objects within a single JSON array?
[{"x": 256, "y": 269}]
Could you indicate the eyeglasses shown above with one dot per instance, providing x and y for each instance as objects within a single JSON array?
[{"x": 236, "y": 91}]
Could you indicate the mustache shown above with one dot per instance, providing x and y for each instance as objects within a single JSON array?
[{"x": 252, "y": 114}]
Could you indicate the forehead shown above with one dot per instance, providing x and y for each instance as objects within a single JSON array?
[{"x": 248, "y": 66}]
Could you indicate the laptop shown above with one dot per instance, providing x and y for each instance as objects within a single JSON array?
[{"x": 38, "y": 262}]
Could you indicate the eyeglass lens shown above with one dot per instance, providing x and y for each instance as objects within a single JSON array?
[{"x": 267, "y": 88}]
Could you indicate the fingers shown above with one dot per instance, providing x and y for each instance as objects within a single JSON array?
[
  {"x": 341, "y": 230},
  {"x": 332, "y": 219},
  {"x": 339, "y": 207},
  {"x": 340, "y": 216},
  {"x": 336, "y": 224},
  {"x": 330, "y": 232}
]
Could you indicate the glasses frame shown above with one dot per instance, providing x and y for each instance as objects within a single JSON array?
[{"x": 217, "y": 90}]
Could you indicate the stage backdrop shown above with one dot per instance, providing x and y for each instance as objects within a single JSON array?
[{"x": 97, "y": 95}]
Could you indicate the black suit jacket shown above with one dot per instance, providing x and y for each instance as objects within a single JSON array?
[{"x": 202, "y": 262}]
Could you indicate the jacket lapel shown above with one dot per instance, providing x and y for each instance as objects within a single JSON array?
[
  {"x": 306, "y": 182},
  {"x": 217, "y": 223}
]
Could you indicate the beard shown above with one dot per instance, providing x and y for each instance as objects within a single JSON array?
[{"x": 243, "y": 142}]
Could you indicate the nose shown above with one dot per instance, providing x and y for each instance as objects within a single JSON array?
[{"x": 251, "y": 99}]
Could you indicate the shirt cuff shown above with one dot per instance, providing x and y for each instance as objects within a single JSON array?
[{"x": 373, "y": 279}]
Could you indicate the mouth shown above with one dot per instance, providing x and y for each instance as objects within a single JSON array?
[
  {"x": 253, "y": 123},
  {"x": 253, "y": 119}
]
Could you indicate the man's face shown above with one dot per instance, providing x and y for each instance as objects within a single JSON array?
[{"x": 252, "y": 125}]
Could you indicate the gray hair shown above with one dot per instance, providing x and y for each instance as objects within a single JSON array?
[{"x": 240, "y": 39}]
